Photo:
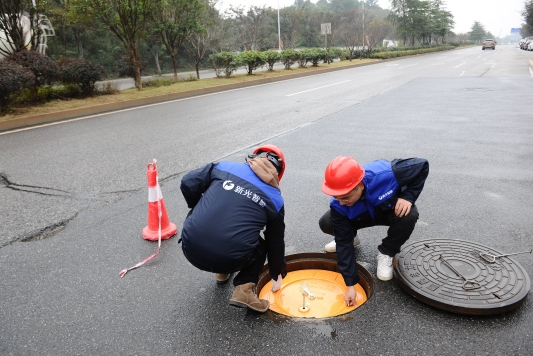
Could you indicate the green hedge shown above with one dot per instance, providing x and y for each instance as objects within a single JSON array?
[{"x": 393, "y": 54}]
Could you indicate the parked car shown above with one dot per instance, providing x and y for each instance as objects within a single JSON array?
[
  {"x": 489, "y": 43},
  {"x": 530, "y": 46},
  {"x": 526, "y": 43}
]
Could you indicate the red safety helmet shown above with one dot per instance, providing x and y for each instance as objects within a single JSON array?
[
  {"x": 342, "y": 175},
  {"x": 274, "y": 149}
]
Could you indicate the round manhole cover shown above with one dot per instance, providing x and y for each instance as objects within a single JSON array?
[{"x": 435, "y": 271}]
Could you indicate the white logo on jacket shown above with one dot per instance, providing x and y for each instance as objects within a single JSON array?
[
  {"x": 381, "y": 197},
  {"x": 228, "y": 185}
]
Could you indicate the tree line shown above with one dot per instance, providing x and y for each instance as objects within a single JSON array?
[
  {"x": 128, "y": 37},
  {"x": 527, "y": 14}
]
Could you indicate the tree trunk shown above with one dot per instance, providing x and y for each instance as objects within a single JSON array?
[
  {"x": 79, "y": 44},
  {"x": 136, "y": 67},
  {"x": 173, "y": 56},
  {"x": 197, "y": 70},
  {"x": 156, "y": 57}
]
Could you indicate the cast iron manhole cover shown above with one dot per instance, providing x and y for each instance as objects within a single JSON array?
[{"x": 423, "y": 270}]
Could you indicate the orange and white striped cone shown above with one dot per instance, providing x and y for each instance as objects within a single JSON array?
[{"x": 156, "y": 206}]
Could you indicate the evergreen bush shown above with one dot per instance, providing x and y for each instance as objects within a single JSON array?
[
  {"x": 223, "y": 62},
  {"x": 13, "y": 78},
  {"x": 82, "y": 73},
  {"x": 44, "y": 69},
  {"x": 250, "y": 60},
  {"x": 125, "y": 68},
  {"x": 271, "y": 58},
  {"x": 289, "y": 57}
]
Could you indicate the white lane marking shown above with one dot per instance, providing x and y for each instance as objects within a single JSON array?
[
  {"x": 390, "y": 65},
  {"x": 442, "y": 57},
  {"x": 160, "y": 103},
  {"x": 462, "y": 73},
  {"x": 478, "y": 56},
  {"x": 384, "y": 91},
  {"x": 493, "y": 65},
  {"x": 459, "y": 65},
  {"x": 325, "y": 86},
  {"x": 408, "y": 66},
  {"x": 531, "y": 72}
]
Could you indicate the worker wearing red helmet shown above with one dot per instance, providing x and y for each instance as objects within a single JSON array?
[
  {"x": 231, "y": 203},
  {"x": 377, "y": 193}
]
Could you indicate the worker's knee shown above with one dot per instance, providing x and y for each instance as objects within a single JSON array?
[{"x": 325, "y": 223}]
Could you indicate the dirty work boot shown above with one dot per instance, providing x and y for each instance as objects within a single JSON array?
[
  {"x": 384, "y": 267},
  {"x": 222, "y": 278},
  {"x": 332, "y": 246},
  {"x": 244, "y": 297}
]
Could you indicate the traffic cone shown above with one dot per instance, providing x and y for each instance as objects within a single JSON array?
[{"x": 156, "y": 206}]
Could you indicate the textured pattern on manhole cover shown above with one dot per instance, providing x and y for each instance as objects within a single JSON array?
[{"x": 420, "y": 271}]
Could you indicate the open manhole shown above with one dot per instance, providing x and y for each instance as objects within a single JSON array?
[
  {"x": 313, "y": 287},
  {"x": 436, "y": 272}
]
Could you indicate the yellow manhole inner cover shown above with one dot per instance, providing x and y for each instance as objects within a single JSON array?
[{"x": 323, "y": 291}]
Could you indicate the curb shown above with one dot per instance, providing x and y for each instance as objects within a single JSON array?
[{"x": 35, "y": 120}]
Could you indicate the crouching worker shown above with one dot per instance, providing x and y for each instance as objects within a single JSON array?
[
  {"x": 377, "y": 193},
  {"x": 231, "y": 203}
]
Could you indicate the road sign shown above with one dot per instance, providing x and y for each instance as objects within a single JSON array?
[
  {"x": 515, "y": 30},
  {"x": 325, "y": 28}
]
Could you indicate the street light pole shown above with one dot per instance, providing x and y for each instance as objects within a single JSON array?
[{"x": 279, "y": 31}]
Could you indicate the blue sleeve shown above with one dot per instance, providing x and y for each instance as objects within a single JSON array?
[
  {"x": 275, "y": 240},
  {"x": 344, "y": 236},
  {"x": 195, "y": 183},
  {"x": 411, "y": 174}
]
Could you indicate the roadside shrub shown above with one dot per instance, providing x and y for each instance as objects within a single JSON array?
[
  {"x": 13, "y": 78},
  {"x": 107, "y": 88},
  {"x": 250, "y": 60},
  {"x": 125, "y": 68},
  {"x": 289, "y": 57},
  {"x": 159, "y": 82},
  {"x": 271, "y": 58},
  {"x": 305, "y": 56},
  {"x": 82, "y": 73},
  {"x": 335, "y": 53},
  {"x": 393, "y": 54},
  {"x": 223, "y": 62},
  {"x": 44, "y": 69}
]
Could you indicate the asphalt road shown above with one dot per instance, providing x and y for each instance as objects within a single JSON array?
[{"x": 76, "y": 191}]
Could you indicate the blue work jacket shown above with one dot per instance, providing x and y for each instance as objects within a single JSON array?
[
  {"x": 384, "y": 183},
  {"x": 230, "y": 206}
]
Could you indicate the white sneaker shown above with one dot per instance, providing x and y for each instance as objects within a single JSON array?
[
  {"x": 332, "y": 246},
  {"x": 384, "y": 267}
]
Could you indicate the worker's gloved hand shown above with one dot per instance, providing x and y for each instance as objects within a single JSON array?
[{"x": 276, "y": 285}]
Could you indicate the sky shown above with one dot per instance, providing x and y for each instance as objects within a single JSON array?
[{"x": 496, "y": 16}]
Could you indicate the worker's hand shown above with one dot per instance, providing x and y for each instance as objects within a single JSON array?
[
  {"x": 276, "y": 285},
  {"x": 349, "y": 297},
  {"x": 402, "y": 208}
]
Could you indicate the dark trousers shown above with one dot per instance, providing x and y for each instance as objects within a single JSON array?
[
  {"x": 400, "y": 229},
  {"x": 251, "y": 267},
  {"x": 250, "y": 271}
]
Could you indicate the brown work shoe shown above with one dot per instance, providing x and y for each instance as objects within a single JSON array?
[
  {"x": 222, "y": 277},
  {"x": 244, "y": 297}
]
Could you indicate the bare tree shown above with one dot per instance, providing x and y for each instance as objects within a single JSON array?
[
  {"x": 251, "y": 26},
  {"x": 377, "y": 31},
  {"x": 351, "y": 30},
  {"x": 176, "y": 20},
  {"x": 199, "y": 43}
]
